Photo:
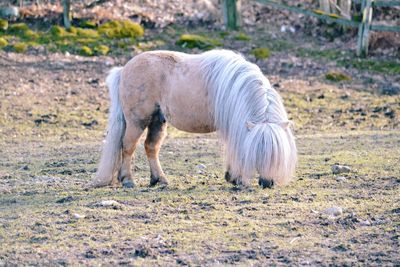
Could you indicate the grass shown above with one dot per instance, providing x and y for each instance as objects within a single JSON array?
[
  {"x": 44, "y": 171},
  {"x": 51, "y": 143}
]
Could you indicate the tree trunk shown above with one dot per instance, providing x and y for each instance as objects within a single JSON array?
[
  {"x": 231, "y": 11},
  {"x": 67, "y": 14}
]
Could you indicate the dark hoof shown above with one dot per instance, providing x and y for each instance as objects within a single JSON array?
[
  {"x": 227, "y": 177},
  {"x": 158, "y": 180},
  {"x": 265, "y": 183},
  {"x": 128, "y": 183},
  {"x": 231, "y": 180}
]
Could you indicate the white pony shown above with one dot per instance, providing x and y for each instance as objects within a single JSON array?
[{"x": 215, "y": 91}]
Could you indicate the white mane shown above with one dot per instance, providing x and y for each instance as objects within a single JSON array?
[{"x": 250, "y": 118}]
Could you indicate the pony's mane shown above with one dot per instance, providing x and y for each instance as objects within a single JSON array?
[{"x": 250, "y": 117}]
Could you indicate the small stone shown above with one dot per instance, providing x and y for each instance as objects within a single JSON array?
[
  {"x": 201, "y": 166},
  {"x": 78, "y": 216},
  {"x": 365, "y": 223},
  {"x": 333, "y": 211},
  {"x": 337, "y": 169},
  {"x": 109, "y": 203},
  {"x": 341, "y": 179},
  {"x": 65, "y": 199},
  {"x": 24, "y": 168}
]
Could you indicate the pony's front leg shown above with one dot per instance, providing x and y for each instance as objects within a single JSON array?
[
  {"x": 129, "y": 143},
  {"x": 157, "y": 131}
]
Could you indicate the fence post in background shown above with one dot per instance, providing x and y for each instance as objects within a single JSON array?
[
  {"x": 325, "y": 6},
  {"x": 66, "y": 13},
  {"x": 345, "y": 9},
  {"x": 231, "y": 11},
  {"x": 363, "y": 29}
]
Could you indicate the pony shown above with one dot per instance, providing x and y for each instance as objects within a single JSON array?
[{"x": 218, "y": 90}]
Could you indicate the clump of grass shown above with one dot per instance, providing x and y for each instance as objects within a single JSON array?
[
  {"x": 197, "y": 41},
  {"x": 3, "y": 24},
  {"x": 390, "y": 67},
  {"x": 86, "y": 51},
  {"x": 19, "y": 28},
  {"x": 101, "y": 50},
  {"x": 3, "y": 42},
  {"x": 336, "y": 76},
  {"x": 261, "y": 52},
  {"x": 121, "y": 29},
  {"x": 242, "y": 37},
  {"x": 20, "y": 47}
]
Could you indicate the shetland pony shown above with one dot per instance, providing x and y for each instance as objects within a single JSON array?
[{"x": 215, "y": 91}]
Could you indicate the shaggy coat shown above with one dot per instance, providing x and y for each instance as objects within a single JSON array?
[{"x": 215, "y": 91}]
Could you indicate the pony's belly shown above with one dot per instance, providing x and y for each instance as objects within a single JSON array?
[
  {"x": 193, "y": 120},
  {"x": 188, "y": 111}
]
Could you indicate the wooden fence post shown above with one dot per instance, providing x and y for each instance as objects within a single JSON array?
[
  {"x": 231, "y": 11},
  {"x": 364, "y": 28},
  {"x": 345, "y": 8},
  {"x": 325, "y": 6}
]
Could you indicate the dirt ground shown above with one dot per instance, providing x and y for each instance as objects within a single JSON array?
[{"x": 53, "y": 115}]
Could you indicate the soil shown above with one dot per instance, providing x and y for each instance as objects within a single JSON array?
[{"x": 53, "y": 115}]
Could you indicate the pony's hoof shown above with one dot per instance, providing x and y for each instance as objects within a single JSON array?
[
  {"x": 228, "y": 177},
  {"x": 128, "y": 183},
  {"x": 234, "y": 181},
  {"x": 265, "y": 183},
  {"x": 158, "y": 180}
]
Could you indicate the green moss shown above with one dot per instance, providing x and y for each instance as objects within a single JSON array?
[
  {"x": 20, "y": 47},
  {"x": 242, "y": 37},
  {"x": 197, "y": 41},
  {"x": 3, "y": 24},
  {"x": 87, "y": 33},
  {"x": 3, "y": 42},
  {"x": 101, "y": 50},
  {"x": 121, "y": 29},
  {"x": 336, "y": 76},
  {"x": 88, "y": 24},
  {"x": 73, "y": 30},
  {"x": 32, "y": 44},
  {"x": 18, "y": 28},
  {"x": 320, "y": 12},
  {"x": 261, "y": 53},
  {"x": 223, "y": 34},
  {"x": 29, "y": 34},
  {"x": 60, "y": 32},
  {"x": 86, "y": 51}
]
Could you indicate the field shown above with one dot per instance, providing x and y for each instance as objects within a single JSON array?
[{"x": 53, "y": 115}]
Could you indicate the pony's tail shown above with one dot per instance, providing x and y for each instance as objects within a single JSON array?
[
  {"x": 270, "y": 150},
  {"x": 111, "y": 157}
]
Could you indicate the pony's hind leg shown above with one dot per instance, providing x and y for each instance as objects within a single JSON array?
[
  {"x": 129, "y": 143},
  {"x": 157, "y": 130}
]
